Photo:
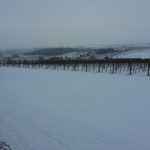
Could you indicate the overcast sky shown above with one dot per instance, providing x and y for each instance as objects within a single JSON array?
[{"x": 42, "y": 23}]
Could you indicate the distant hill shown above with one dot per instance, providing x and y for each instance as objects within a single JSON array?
[
  {"x": 61, "y": 51},
  {"x": 51, "y": 51},
  {"x": 98, "y": 53},
  {"x": 136, "y": 53}
]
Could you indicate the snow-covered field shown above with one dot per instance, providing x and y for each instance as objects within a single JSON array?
[
  {"x": 142, "y": 53},
  {"x": 50, "y": 110}
]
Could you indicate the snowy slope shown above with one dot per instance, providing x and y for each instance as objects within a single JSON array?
[
  {"x": 49, "y": 110},
  {"x": 143, "y": 53}
]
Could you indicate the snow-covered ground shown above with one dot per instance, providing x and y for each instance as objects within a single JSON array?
[
  {"x": 142, "y": 53},
  {"x": 50, "y": 110}
]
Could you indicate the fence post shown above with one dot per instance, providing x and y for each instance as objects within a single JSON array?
[
  {"x": 148, "y": 69},
  {"x": 130, "y": 68},
  {"x": 113, "y": 68},
  {"x": 99, "y": 67},
  {"x": 86, "y": 67}
]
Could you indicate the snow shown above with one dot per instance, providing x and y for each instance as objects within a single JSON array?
[
  {"x": 143, "y": 53},
  {"x": 49, "y": 110}
]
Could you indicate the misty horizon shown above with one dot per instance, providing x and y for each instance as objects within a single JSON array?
[{"x": 68, "y": 23}]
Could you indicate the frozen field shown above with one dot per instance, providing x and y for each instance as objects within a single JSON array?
[{"x": 50, "y": 110}]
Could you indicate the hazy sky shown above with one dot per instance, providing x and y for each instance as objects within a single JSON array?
[{"x": 42, "y": 23}]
